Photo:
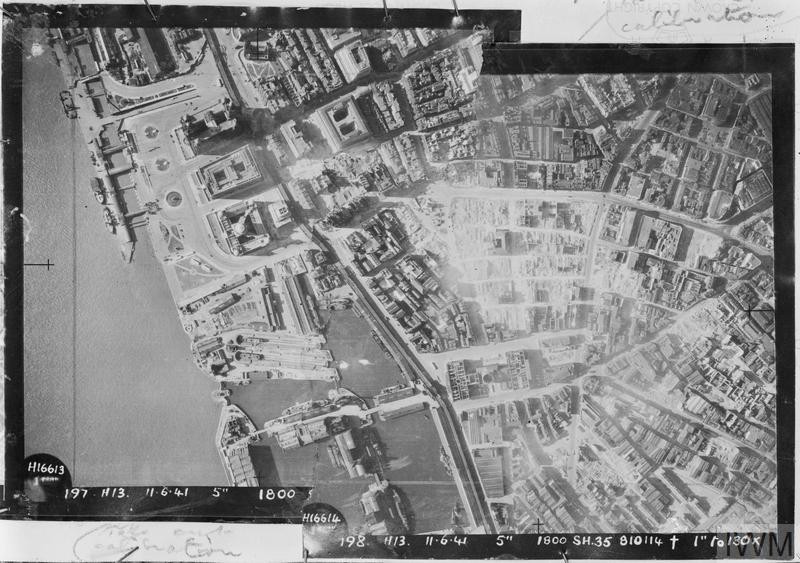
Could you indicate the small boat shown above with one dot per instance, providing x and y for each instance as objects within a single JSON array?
[
  {"x": 338, "y": 304},
  {"x": 97, "y": 188},
  {"x": 68, "y": 104},
  {"x": 109, "y": 219},
  {"x": 221, "y": 395}
]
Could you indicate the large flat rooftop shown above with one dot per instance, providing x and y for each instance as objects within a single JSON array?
[
  {"x": 229, "y": 173},
  {"x": 341, "y": 123}
]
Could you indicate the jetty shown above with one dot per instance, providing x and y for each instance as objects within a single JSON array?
[{"x": 112, "y": 204}]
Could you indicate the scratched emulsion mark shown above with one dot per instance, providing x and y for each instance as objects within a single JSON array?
[
  {"x": 27, "y": 30},
  {"x": 680, "y": 21}
]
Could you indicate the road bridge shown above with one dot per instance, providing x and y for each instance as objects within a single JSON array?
[{"x": 277, "y": 426}]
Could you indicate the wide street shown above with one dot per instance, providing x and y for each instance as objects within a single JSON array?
[
  {"x": 450, "y": 426},
  {"x": 446, "y": 419},
  {"x": 447, "y": 192},
  {"x": 190, "y": 215}
]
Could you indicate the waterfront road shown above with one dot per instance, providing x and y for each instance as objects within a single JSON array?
[
  {"x": 461, "y": 458},
  {"x": 448, "y": 419},
  {"x": 445, "y": 418}
]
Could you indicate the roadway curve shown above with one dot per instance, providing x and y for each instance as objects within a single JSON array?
[
  {"x": 462, "y": 459},
  {"x": 415, "y": 370}
]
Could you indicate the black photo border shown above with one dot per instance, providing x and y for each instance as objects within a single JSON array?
[
  {"x": 776, "y": 59},
  {"x": 779, "y": 61},
  {"x": 504, "y": 24}
]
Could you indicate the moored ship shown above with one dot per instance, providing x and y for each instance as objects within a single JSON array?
[
  {"x": 338, "y": 400},
  {"x": 221, "y": 395},
  {"x": 108, "y": 216},
  {"x": 97, "y": 190},
  {"x": 68, "y": 103},
  {"x": 235, "y": 433},
  {"x": 384, "y": 509},
  {"x": 336, "y": 304},
  {"x": 320, "y": 374}
]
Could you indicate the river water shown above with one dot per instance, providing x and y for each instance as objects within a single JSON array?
[{"x": 110, "y": 386}]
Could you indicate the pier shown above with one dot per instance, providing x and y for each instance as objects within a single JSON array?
[
  {"x": 121, "y": 229},
  {"x": 137, "y": 218}
]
